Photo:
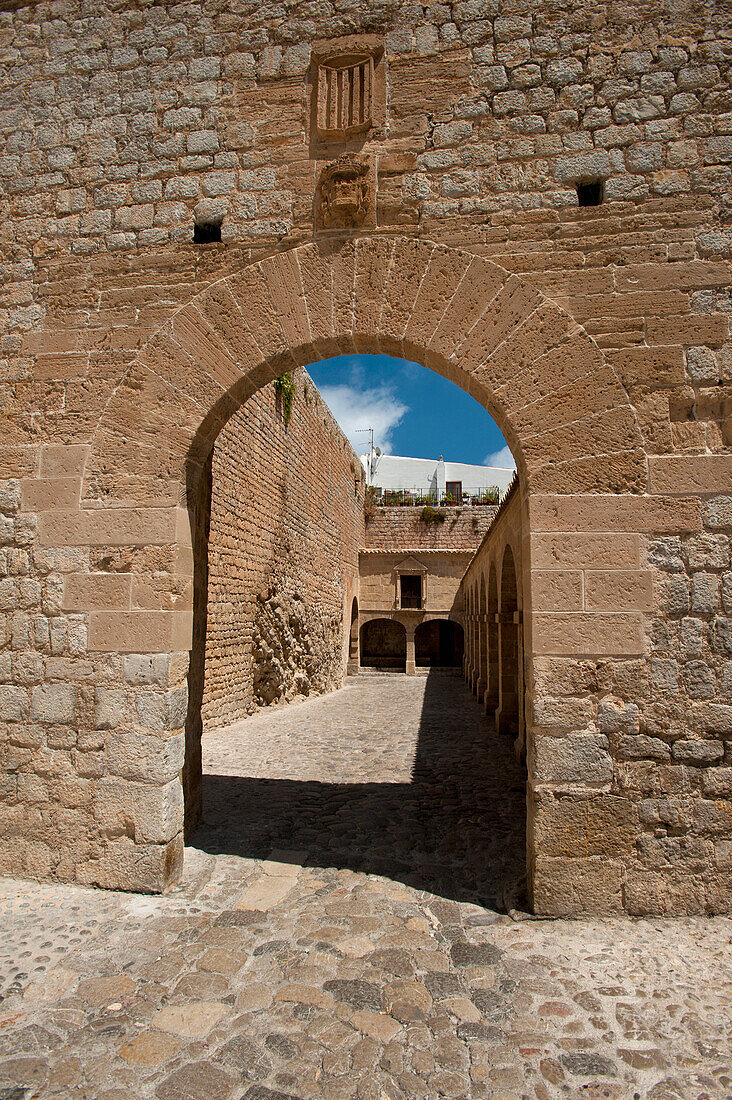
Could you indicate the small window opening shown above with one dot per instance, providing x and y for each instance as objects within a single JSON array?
[
  {"x": 206, "y": 232},
  {"x": 411, "y": 594},
  {"x": 590, "y": 194}
]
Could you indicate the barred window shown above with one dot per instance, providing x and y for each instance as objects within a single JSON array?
[{"x": 345, "y": 92}]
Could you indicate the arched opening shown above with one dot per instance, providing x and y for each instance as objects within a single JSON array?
[
  {"x": 493, "y": 334},
  {"x": 482, "y": 643},
  {"x": 438, "y": 643},
  {"x": 353, "y": 636},
  {"x": 507, "y": 716},
  {"x": 384, "y": 645},
  {"x": 492, "y": 692}
]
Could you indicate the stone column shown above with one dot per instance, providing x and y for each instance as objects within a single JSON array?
[
  {"x": 411, "y": 664},
  {"x": 480, "y": 683}
]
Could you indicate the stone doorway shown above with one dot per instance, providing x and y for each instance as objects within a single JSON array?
[{"x": 583, "y": 476}]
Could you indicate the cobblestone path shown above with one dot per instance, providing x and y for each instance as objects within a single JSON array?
[{"x": 340, "y": 933}]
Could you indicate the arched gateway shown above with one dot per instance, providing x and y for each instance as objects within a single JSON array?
[{"x": 582, "y": 471}]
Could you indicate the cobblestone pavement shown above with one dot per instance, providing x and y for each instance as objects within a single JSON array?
[{"x": 339, "y": 933}]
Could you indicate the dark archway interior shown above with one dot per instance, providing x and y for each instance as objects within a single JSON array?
[
  {"x": 384, "y": 645},
  {"x": 438, "y": 643},
  {"x": 353, "y": 633},
  {"x": 509, "y": 714},
  {"x": 491, "y": 701}
]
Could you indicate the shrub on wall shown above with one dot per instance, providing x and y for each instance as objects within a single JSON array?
[
  {"x": 285, "y": 391},
  {"x": 432, "y": 515}
]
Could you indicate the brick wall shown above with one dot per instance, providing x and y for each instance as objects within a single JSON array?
[
  {"x": 396, "y": 528},
  {"x": 286, "y": 525}
]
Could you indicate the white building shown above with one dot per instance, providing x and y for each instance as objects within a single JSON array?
[{"x": 433, "y": 477}]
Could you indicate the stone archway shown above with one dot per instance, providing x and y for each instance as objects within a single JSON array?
[
  {"x": 353, "y": 639},
  {"x": 384, "y": 644},
  {"x": 560, "y": 405}
]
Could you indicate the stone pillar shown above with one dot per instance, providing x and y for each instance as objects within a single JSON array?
[
  {"x": 507, "y": 712},
  {"x": 411, "y": 663},
  {"x": 480, "y": 683}
]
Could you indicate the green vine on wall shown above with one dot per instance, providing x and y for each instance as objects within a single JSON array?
[{"x": 285, "y": 391}]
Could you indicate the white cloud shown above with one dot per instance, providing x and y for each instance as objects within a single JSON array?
[
  {"x": 503, "y": 459},
  {"x": 375, "y": 408}
]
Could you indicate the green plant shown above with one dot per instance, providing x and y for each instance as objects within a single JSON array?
[
  {"x": 432, "y": 515},
  {"x": 369, "y": 501},
  {"x": 285, "y": 392}
]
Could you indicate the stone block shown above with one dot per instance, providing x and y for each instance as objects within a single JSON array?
[
  {"x": 587, "y": 633},
  {"x": 615, "y": 514},
  {"x": 577, "y": 827},
  {"x": 162, "y": 710},
  {"x": 146, "y": 668},
  {"x": 580, "y": 760},
  {"x": 685, "y": 475},
  {"x": 110, "y": 705},
  {"x": 715, "y": 717},
  {"x": 721, "y": 637},
  {"x": 696, "y": 751},
  {"x": 41, "y": 495},
  {"x": 97, "y": 591},
  {"x": 136, "y": 631},
  {"x": 674, "y": 595},
  {"x": 617, "y": 717},
  {"x": 579, "y": 551},
  {"x": 718, "y": 513},
  {"x": 144, "y": 757},
  {"x": 556, "y": 590},
  {"x": 618, "y": 590},
  {"x": 571, "y": 887},
  {"x": 14, "y": 703},
  {"x": 154, "y": 813},
  {"x": 649, "y": 893},
  {"x": 60, "y": 460},
  {"x": 699, "y": 680},
  {"x": 54, "y": 703},
  {"x": 112, "y": 527},
  {"x": 568, "y": 714},
  {"x": 704, "y": 593},
  {"x": 691, "y": 636},
  {"x": 664, "y": 674},
  {"x": 640, "y": 746},
  {"x": 124, "y": 865}
]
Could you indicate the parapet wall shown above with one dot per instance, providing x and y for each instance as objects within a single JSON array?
[{"x": 394, "y": 528}]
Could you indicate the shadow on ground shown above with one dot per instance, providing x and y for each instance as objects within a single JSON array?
[{"x": 457, "y": 829}]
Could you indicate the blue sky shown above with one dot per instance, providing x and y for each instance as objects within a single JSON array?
[{"x": 413, "y": 411}]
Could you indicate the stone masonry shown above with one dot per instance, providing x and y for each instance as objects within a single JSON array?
[
  {"x": 286, "y": 526},
  {"x": 394, "y": 528},
  {"x": 452, "y": 233}
]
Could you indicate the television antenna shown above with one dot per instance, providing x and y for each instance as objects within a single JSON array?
[{"x": 374, "y": 452}]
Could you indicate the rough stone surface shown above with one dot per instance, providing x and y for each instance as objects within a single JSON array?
[
  {"x": 453, "y": 996},
  {"x": 286, "y": 526}
]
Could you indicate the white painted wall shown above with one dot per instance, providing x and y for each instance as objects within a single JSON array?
[{"x": 425, "y": 474}]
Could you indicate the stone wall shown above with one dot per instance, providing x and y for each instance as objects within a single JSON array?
[
  {"x": 442, "y": 572},
  {"x": 393, "y": 528},
  {"x": 495, "y": 595},
  {"x": 597, "y": 336},
  {"x": 286, "y": 526}
]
